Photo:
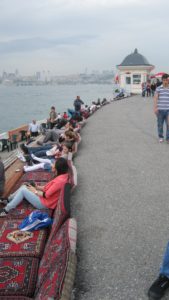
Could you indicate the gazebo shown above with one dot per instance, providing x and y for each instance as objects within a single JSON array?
[{"x": 133, "y": 71}]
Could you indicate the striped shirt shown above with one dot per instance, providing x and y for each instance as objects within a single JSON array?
[{"x": 163, "y": 97}]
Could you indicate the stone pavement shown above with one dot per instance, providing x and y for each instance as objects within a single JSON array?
[{"x": 121, "y": 203}]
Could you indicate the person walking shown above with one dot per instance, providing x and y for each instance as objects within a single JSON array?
[
  {"x": 161, "y": 108},
  {"x": 148, "y": 89}
]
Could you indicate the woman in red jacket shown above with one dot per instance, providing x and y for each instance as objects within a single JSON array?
[{"x": 40, "y": 196}]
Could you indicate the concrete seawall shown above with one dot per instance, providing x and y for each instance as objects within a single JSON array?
[{"x": 121, "y": 203}]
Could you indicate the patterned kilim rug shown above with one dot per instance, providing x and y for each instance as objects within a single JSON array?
[
  {"x": 23, "y": 210},
  {"x": 37, "y": 176},
  {"x": 53, "y": 265},
  {"x": 41, "y": 178},
  {"x": 18, "y": 275},
  {"x": 14, "y": 242}
]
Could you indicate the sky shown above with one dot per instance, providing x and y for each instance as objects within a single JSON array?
[{"x": 74, "y": 36}]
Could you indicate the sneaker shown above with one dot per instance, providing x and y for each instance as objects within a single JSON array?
[
  {"x": 33, "y": 156},
  {"x": 21, "y": 157},
  {"x": 4, "y": 201},
  {"x": 3, "y": 213},
  {"x": 161, "y": 140},
  {"x": 158, "y": 288}
]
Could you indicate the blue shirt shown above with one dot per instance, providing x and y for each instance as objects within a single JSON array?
[{"x": 163, "y": 97}]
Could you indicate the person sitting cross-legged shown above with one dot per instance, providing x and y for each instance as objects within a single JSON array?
[{"x": 40, "y": 196}]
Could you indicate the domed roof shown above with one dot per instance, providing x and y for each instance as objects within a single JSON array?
[{"x": 135, "y": 59}]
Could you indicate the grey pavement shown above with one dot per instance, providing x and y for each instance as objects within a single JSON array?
[{"x": 121, "y": 202}]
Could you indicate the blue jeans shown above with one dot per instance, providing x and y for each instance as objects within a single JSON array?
[
  {"x": 71, "y": 112},
  {"x": 162, "y": 118},
  {"x": 164, "y": 270},
  {"x": 40, "y": 153},
  {"x": 24, "y": 193},
  {"x": 36, "y": 149}
]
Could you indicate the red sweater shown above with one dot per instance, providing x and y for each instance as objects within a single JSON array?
[{"x": 52, "y": 191}]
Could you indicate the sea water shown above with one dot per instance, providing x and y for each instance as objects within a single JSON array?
[{"x": 21, "y": 104}]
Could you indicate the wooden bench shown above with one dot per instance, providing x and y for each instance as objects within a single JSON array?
[{"x": 11, "y": 176}]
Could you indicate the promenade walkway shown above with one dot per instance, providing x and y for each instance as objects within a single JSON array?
[{"x": 121, "y": 203}]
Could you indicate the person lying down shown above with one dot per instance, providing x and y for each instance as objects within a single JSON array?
[{"x": 48, "y": 163}]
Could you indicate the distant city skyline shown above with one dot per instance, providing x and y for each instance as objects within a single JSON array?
[
  {"x": 46, "y": 78},
  {"x": 17, "y": 72},
  {"x": 66, "y": 37}
]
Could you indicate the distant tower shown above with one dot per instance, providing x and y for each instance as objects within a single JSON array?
[
  {"x": 16, "y": 73},
  {"x": 38, "y": 76},
  {"x": 133, "y": 71}
]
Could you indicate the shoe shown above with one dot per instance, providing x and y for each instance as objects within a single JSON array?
[
  {"x": 161, "y": 140},
  {"x": 4, "y": 201},
  {"x": 3, "y": 213},
  {"x": 158, "y": 288},
  {"x": 21, "y": 157}
]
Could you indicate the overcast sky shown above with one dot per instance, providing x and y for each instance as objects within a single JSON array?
[{"x": 70, "y": 36}]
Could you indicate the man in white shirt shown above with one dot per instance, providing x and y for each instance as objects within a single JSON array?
[{"x": 33, "y": 128}]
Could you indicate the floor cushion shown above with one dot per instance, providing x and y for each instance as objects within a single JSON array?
[
  {"x": 62, "y": 211},
  {"x": 18, "y": 276},
  {"x": 72, "y": 174},
  {"x": 40, "y": 177},
  {"x": 14, "y": 242},
  {"x": 37, "y": 176},
  {"x": 57, "y": 267},
  {"x": 23, "y": 210}
]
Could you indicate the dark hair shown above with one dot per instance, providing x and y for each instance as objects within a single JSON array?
[
  {"x": 61, "y": 139},
  {"x": 61, "y": 166},
  {"x": 52, "y": 107},
  {"x": 165, "y": 76},
  {"x": 72, "y": 122}
]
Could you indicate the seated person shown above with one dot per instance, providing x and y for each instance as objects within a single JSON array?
[
  {"x": 51, "y": 136},
  {"x": 28, "y": 150},
  {"x": 61, "y": 123},
  {"x": 45, "y": 151},
  {"x": 161, "y": 284},
  {"x": 2, "y": 178},
  {"x": 40, "y": 196},
  {"x": 65, "y": 115},
  {"x": 47, "y": 163},
  {"x": 93, "y": 107},
  {"x": 33, "y": 129},
  {"x": 70, "y": 136},
  {"x": 52, "y": 121}
]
